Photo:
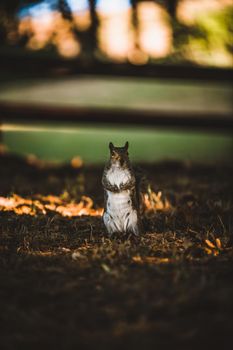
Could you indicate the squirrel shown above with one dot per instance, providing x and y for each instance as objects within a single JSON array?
[{"x": 121, "y": 194}]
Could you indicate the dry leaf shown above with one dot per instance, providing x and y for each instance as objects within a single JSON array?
[
  {"x": 210, "y": 244},
  {"x": 106, "y": 268},
  {"x": 218, "y": 243}
]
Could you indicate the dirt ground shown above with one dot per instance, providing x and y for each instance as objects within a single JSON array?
[{"x": 65, "y": 285}]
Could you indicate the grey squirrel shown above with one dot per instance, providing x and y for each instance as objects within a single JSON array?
[{"x": 121, "y": 196}]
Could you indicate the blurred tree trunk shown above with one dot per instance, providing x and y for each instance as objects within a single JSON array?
[
  {"x": 171, "y": 8},
  {"x": 8, "y": 10},
  {"x": 93, "y": 30},
  {"x": 135, "y": 22},
  {"x": 65, "y": 10}
]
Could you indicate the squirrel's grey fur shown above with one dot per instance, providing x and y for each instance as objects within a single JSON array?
[{"x": 121, "y": 198}]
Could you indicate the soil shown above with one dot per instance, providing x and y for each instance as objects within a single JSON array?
[{"x": 64, "y": 284}]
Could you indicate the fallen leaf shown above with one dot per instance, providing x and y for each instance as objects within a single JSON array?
[
  {"x": 218, "y": 243},
  {"x": 210, "y": 244},
  {"x": 106, "y": 268}
]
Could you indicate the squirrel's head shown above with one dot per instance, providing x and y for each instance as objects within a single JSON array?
[{"x": 119, "y": 155}]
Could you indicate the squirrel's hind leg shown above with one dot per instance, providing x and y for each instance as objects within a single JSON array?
[{"x": 109, "y": 224}]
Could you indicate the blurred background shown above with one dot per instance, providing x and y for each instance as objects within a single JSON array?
[{"x": 76, "y": 74}]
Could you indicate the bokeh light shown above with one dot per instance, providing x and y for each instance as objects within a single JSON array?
[{"x": 199, "y": 33}]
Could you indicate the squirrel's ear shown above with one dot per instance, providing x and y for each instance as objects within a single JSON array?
[
  {"x": 111, "y": 146},
  {"x": 126, "y": 146}
]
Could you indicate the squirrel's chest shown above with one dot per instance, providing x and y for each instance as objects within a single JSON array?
[
  {"x": 117, "y": 176},
  {"x": 119, "y": 203}
]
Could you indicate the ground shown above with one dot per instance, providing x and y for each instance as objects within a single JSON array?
[{"x": 64, "y": 284}]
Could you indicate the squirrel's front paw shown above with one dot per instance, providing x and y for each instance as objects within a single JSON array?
[{"x": 124, "y": 187}]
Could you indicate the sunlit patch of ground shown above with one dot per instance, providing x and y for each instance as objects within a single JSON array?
[
  {"x": 44, "y": 204},
  {"x": 65, "y": 283}
]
